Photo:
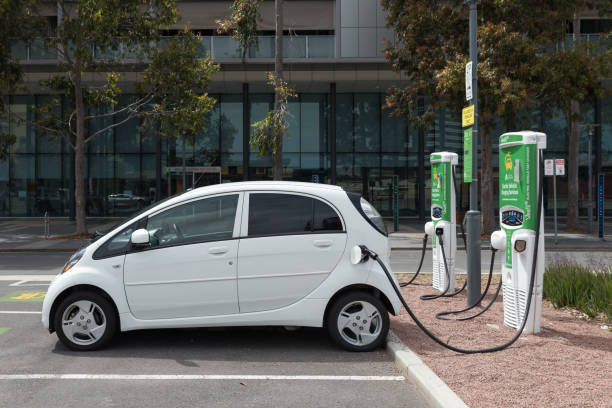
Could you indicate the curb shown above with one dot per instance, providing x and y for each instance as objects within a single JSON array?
[{"x": 436, "y": 392}]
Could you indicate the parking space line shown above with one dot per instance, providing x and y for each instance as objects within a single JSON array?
[
  {"x": 18, "y": 312},
  {"x": 193, "y": 377},
  {"x": 38, "y": 278}
]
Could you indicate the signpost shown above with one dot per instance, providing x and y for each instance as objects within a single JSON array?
[
  {"x": 601, "y": 206},
  {"x": 473, "y": 218},
  {"x": 554, "y": 168},
  {"x": 395, "y": 203}
]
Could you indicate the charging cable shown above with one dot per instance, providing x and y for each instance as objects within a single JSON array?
[{"x": 371, "y": 254}]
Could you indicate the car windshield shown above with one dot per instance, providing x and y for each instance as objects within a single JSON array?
[{"x": 100, "y": 233}]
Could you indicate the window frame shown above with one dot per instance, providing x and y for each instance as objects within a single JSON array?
[
  {"x": 235, "y": 230},
  {"x": 246, "y": 214}
]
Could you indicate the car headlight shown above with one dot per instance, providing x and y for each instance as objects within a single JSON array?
[{"x": 76, "y": 257}]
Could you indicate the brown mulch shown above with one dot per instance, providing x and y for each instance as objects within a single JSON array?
[{"x": 567, "y": 364}]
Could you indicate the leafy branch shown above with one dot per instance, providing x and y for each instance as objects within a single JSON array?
[{"x": 268, "y": 132}]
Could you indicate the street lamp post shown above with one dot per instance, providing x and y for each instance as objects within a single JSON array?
[{"x": 473, "y": 219}]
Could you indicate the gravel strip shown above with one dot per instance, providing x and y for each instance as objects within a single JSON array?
[{"x": 568, "y": 364}]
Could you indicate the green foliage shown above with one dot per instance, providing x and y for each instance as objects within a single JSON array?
[
  {"x": 589, "y": 291},
  {"x": 268, "y": 132},
  {"x": 242, "y": 24},
  {"x": 519, "y": 68},
  {"x": 88, "y": 27},
  {"x": 177, "y": 78}
]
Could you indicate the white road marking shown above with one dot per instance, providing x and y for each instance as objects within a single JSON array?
[
  {"x": 200, "y": 377},
  {"x": 18, "y": 312},
  {"x": 33, "y": 278}
]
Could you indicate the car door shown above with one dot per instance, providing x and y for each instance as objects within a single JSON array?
[
  {"x": 189, "y": 269},
  {"x": 292, "y": 243}
]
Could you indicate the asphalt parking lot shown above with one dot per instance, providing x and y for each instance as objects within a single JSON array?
[{"x": 178, "y": 368}]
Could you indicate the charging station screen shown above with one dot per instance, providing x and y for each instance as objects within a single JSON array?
[
  {"x": 512, "y": 218},
  {"x": 436, "y": 212}
]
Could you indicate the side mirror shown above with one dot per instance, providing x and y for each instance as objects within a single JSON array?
[
  {"x": 140, "y": 237},
  {"x": 357, "y": 255}
]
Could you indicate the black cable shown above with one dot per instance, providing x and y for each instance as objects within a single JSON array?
[
  {"x": 439, "y": 295},
  {"x": 518, "y": 333},
  {"x": 402, "y": 284},
  {"x": 462, "y": 318},
  {"x": 462, "y": 235}
]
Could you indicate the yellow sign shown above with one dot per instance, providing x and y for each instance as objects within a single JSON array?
[
  {"x": 467, "y": 116},
  {"x": 508, "y": 161}
]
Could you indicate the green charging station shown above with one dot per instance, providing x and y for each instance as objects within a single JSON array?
[
  {"x": 519, "y": 182},
  {"x": 444, "y": 217}
]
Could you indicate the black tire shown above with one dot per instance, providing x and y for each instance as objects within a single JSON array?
[
  {"x": 352, "y": 298},
  {"x": 109, "y": 317}
]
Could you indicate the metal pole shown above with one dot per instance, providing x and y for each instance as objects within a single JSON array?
[
  {"x": 555, "y": 197},
  {"x": 590, "y": 184},
  {"x": 473, "y": 215}
]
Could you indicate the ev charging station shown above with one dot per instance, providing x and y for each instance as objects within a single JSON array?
[
  {"x": 444, "y": 219},
  {"x": 519, "y": 179}
]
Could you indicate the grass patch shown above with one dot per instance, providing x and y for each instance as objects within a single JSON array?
[{"x": 585, "y": 289}]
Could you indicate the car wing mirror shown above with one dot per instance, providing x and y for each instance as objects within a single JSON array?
[{"x": 140, "y": 238}]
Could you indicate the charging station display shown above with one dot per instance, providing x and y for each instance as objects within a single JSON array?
[
  {"x": 443, "y": 214},
  {"x": 518, "y": 194}
]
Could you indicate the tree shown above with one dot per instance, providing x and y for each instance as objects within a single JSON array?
[
  {"x": 576, "y": 79},
  {"x": 270, "y": 131},
  {"x": 86, "y": 30},
  {"x": 517, "y": 44},
  {"x": 242, "y": 24},
  {"x": 18, "y": 23},
  {"x": 275, "y": 123},
  {"x": 177, "y": 78}
]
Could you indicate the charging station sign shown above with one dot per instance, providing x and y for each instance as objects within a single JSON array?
[
  {"x": 440, "y": 190},
  {"x": 518, "y": 187}
]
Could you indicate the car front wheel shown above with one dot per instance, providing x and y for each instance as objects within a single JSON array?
[
  {"x": 85, "y": 321},
  {"x": 358, "y": 321}
]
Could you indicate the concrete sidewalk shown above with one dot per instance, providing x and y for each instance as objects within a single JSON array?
[{"x": 27, "y": 234}]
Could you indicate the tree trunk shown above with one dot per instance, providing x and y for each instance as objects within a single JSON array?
[
  {"x": 79, "y": 152},
  {"x": 573, "y": 162},
  {"x": 572, "y": 148},
  {"x": 486, "y": 182},
  {"x": 278, "y": 70}
]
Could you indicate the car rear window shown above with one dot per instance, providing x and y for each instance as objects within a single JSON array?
[{"x": 283, "y": 214}]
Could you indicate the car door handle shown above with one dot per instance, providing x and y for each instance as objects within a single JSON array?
[
  {"x": 218, "y": 250},
  {"x": 322, "y": 243}
]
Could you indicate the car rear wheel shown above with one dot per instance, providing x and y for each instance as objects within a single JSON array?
[
  {"x": 85, "y": 321},
  {"x": 358, "y": 321}
]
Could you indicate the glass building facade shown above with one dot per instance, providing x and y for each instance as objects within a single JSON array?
[{"x": 361, "y": 148}]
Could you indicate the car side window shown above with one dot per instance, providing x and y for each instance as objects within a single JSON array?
[
  {"x": 209, "y": 219},
  {"x": 117, "y": 245},
  {"x": 282, "y": 214},
  {"x": 325, "y": 218}
]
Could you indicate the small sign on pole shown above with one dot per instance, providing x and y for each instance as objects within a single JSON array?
[
  {"x": 548, "y": 167},
  {"x": 467, "y": 116},
  {"x": 467, "y": 155},
  {"x": 468, "y": 81},
  {"x": 560, "y": 167}
]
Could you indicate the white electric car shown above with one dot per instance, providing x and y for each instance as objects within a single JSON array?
[{"x": 237, "y": 254}]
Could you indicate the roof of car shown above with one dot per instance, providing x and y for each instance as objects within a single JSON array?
[{"x": 257, "y": 185}]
